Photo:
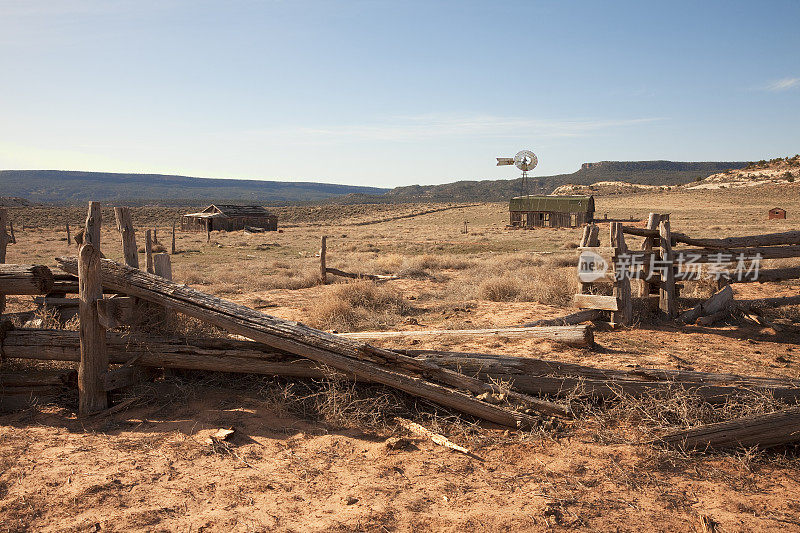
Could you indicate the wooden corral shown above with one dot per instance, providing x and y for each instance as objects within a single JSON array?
[
  {"x": 226, "y": 217},
  {"x": 777, "y": 212},
  {"x": 551, "y": 211}
]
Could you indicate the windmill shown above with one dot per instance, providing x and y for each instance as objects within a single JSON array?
[{"x": 524, "y": 160}]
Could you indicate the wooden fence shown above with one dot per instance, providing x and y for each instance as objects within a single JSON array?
[
  {"x": 114, "y": 296},
  {"x": 665, "y": 258}
]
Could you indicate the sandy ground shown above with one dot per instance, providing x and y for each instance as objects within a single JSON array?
[{"x": 150, "y": 467}]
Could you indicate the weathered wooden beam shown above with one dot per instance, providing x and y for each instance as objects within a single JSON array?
[
  {"x": 596, "y": 301},
  {"x": 763, "y": 431},
  {"x": 125, "y": 227},
  {"x": 94, "y": 360},
  {"x": 577, "y": 335},
  {"x": 768, "y": 275},
  {"x": 25, "y": 279},
  {"x": 362, "y": 360},
  {"x": 719, "y": 301}
]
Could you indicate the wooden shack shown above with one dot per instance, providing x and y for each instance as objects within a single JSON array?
[
  {"x": 551, "y": 211},
  {"x": 777, "y": 212},
  {"x": 227, "y": 217}
]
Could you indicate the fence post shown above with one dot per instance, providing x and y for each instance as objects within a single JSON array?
[
  {"x": 173, "y": 237},
  {"x": 3, "y": 246},
  {"x": 622, "y": 280},
  {"x": 94, "y": 359},
  {"x": 323, "y": 269},
  {"x": 69, "y": 239},
  {"x": 644, "y": 287},
  {"x": 125, "y": 227},
  {"x": 162, "y": 266},
  {"x": 666, "y": 300},
  {"x": 148, "y": 250}
]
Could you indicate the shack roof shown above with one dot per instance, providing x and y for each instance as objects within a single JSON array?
[
  {"x": 556, "y": 204},
  {"x": 231, "y": 210}
]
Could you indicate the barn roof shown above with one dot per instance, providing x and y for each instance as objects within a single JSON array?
[
  {"x": 231, "y": 210},
  {"x": 558, "y": 204}
]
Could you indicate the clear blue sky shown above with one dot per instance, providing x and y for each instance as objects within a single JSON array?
[{"x": 388, "y": 93}]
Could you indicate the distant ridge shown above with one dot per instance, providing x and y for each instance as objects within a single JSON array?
[
  {"x": 70, "y": 187},
  {"x": 644, "y": 172}
]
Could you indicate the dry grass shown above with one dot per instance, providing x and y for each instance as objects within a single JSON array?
[{"x": 359, "y": 305}]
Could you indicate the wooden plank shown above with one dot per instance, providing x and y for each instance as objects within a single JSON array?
[
  {"x": 666, "y": 298},
  {"x": 25, "y": 279},
  {"x": 764, "y": 431},
  {"x": 125, "y": 227},
  {"x": 596, "y": 301},
  {"x": 622, "y": 283},
  {"x": 575, "y": 335},
  {"x": 362, "y": 360},
  {"x": 148, "y": 251}
]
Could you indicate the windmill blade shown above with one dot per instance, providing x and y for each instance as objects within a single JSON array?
[{"x": 505, "y": 161}]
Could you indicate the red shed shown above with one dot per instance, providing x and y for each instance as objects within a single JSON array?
[{"x": 777, "y": 212}]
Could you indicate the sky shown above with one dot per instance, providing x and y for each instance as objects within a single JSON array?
[{"x": 390, "y": 93}]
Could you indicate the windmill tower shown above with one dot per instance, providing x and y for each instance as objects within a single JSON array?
[{"x": 525, "y": 160}]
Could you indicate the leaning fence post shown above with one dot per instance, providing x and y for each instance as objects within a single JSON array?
[
  {"x": 666, "y": 300},
  {"x": 148, "y": 250},
  {"x": 94, "y": 359},
  {"x": 323, "y": 269},
  {"x": 125, "y": 227},
  {"x": 622, "y": 279}
]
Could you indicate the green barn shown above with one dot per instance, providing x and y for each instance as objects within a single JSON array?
[{"x": 551, "y": 211}]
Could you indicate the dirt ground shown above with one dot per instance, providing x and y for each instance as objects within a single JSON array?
[{"x": 326, "y": 456}]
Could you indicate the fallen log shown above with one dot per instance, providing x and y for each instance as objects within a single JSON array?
[
  {"x": 764, "y": 431},
  {"x": 373, "y": 277},
  {"x": 719, "y": 301},
  {"x": 362, "y": 360},
  {"x": 585, "y": 315},
  {"x": 580, "y": 335},
  {"x": 25, "y": 279}
]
